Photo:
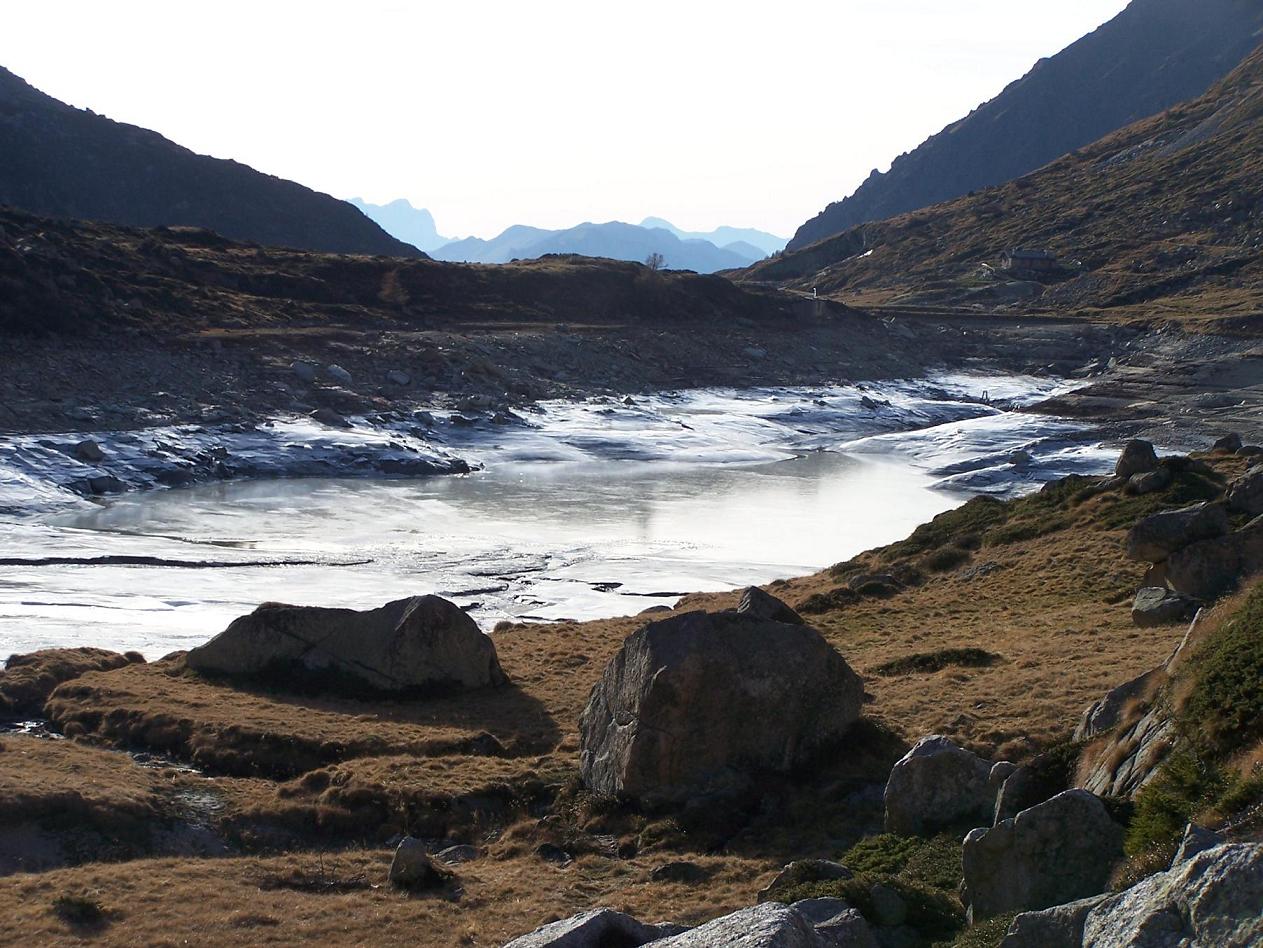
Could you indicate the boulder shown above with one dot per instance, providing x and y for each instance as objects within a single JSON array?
[
  {"x": 1245, "y": 494},
  {"x": 1197, "y": 839},
  {"x": 696, "y": 702},
  {"x": 1146, "y": 483},
  {"x": 762, "y": 605},
  {"x": 1210, "y": 568},
  {"x": 820, "y": 910},
  {"x": 305, "y": 371},
  {"x": 1215, "y": 898},
  {"x": 599, "y": 928},
  {"x": 396, "y": 377},
  {"x": 89, "y": 452},
  {"x": 419, "y": 644},
  {"x": 770, "y": 925},
  {"x": 1058, "y": 927},
  {"x": 1159, "y": 535},
  {"x": 330, "y": 418},
  {"x": 803, "y": 870},
  {"x": 1056, "y": 852},
  {"x": 1231, "y": 443},
  {"x": 1157, "y": 605},
  {"x": 1137, "y": 457},
  {"x": 454, "y": 855},
  {"x": 413, "y": 869},
  {"x": 847, "y": 929},
  {"x": 338, "y": 374},
  {"x": 936, "y": 785}
]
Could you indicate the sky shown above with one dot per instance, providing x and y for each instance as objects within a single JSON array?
[{"x": 547, "y": 112}]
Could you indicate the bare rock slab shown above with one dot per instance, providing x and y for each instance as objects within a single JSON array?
[
  {"x": 695, "y": 703},
  {"x": 1057, "y": 852},
  {"x": 595, "y": 929},
  {"x": 411, "y": 645}
]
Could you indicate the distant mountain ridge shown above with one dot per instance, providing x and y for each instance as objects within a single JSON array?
[
  {"x": 1151, "y": 56},
  {"x": 763, "y": 243},
  {"x": 413, "y": 225},
  {"x": 59, "y": 161},
  {"x": 614, "y": 239}
]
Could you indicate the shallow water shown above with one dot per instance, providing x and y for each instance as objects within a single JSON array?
[{"x": 581, "y": 511}]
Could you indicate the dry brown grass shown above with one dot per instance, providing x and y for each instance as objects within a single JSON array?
[
  {"x": 41, "y": 777},
  {"x": 245, "y": 901},
  {"x": 27, "y": 680}
]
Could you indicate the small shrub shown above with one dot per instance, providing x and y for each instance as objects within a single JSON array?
[
  {"x": 927, "y": 662},
  {"x": 79, "y": 910},
  {"x": 944, "y": 559},
  {"x": 972, "y": 517},
  {"x": 1165, "y": 805},
  {"x": 1223, "y": 709}
]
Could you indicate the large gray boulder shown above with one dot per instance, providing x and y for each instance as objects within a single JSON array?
[
  {"x": 770, "y": 925},
  {"x": 1058, "y": 927},
  {"x": 935, "y": 785},
  {"x": 1137, "y": 458},
  {"x": 1214, "y": 899},
  {"x": 1159, "y": 535},
  {"x": 1210, "y": 568},
  {"x": 410, "y": 645},
  {"x": 1245, "y": 494},
  {"x": 695, "y": 703},
  {"x": 599, "y": 928},
  {"x": 1156, "y": 605},
  {"x": 1056, "y": 852}
]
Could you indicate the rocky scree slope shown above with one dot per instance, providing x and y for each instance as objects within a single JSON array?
[
  {"x": 1153, "y": 55},
  {"x": 1162, "y": 220},
  {"x": 60, "y": 161}
]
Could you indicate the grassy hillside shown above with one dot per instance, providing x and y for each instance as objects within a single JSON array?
[{"x": 1160, "y": 221}]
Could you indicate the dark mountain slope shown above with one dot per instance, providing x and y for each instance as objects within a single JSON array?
[
  {"x": 1153, "y": 55},
  {"x": 1162, "y": 220},
  {"x": 60, "y": 161}
]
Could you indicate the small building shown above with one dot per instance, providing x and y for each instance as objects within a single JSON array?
[{"x": 1029, "y": 261}]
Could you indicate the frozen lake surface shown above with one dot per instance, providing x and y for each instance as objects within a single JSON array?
[{"x": 573, "y": 510}]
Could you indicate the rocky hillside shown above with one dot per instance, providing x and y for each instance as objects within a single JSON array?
[
  {"x": 60, "y": 161},
  {"x": 1151, "y": 56},
  {"x": 1161, "y": 220}
]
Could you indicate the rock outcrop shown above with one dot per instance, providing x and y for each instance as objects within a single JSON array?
[
  {"x": 1137, "y": 457},
  {"x": 1245, "y": 494},
  {"x": 1215, "y": 898},
  {"x": 1056, "y": 852},
  {"x": 1156, "y": 605},
  {"x": 936, "y": 785},
  {"x": 1159, "y": 535},
  {"x": 770, "y": 925},
  {"x": 1058, "y": 927},
  {"x": 694, "y": 703},
  {"x": 595, "y": 929},
  {"x": 410, "y": 645},
  {"x": 414, "y": 870}
]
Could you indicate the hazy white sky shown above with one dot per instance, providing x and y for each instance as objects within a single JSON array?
[{"x": 547, "y": 112}]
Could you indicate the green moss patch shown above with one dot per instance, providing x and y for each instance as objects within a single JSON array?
[{"x": 928, "y": 662}]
